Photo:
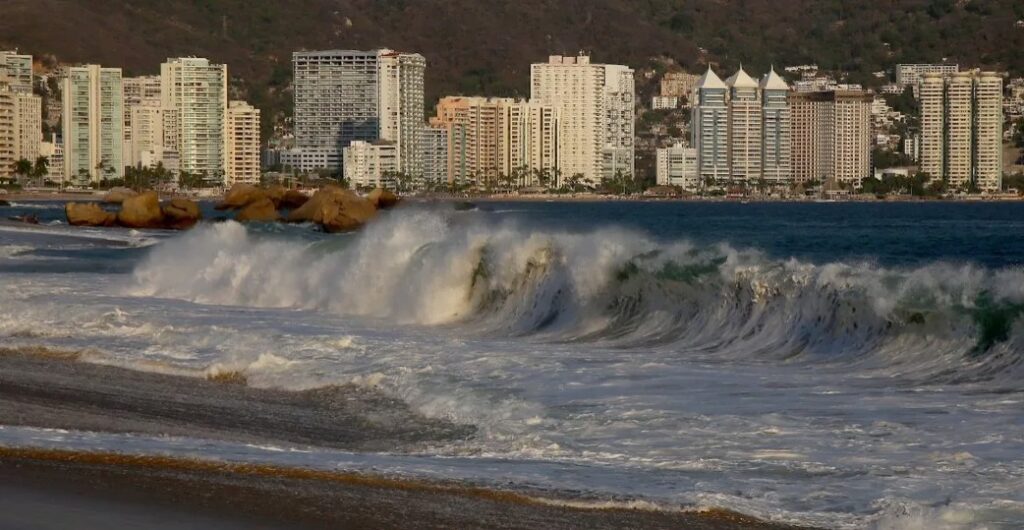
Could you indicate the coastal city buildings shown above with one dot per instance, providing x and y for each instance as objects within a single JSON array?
[
  {"x": 371, "y": 164},
  {"x": 678, "y": 85},
  {"x": 909, "y": 75},
  {"x": 742, "y": 129},
  {"x": 677, "y": 166},
  {"x": 28, "y": 109},
  {"x": 434, "y": 149},
  {"x": 596, "y": 115},
  {"x": 831, "y": 136},
  {"x": 195, "y": 91},
  {"x": 777, "y": 146},
  {"x": 493, "y": 137},
  {"x": 8, "y": 129},
  {"x": 710, "y": 127},
  {"x": 961, "y": 129},
  {"x": 243, "y": 143},
  {"x": 17, "y": 69},
  {"x": 342, "y": 96},
  {"x": 93, "y": 124}
]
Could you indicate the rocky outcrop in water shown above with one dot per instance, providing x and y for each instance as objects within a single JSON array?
[
  {"x": 335, "y": 209},
  {"x": 141, "y": 211},
  {"x": 382, "y": 198},
  {"x": 261, "y": 211},
  {"x": 181, "y": 214},
  {"x": 118, "y": 195},
  {"x": 88, "y": 214}
]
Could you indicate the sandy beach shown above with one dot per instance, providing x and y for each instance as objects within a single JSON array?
[{"x": 48, "y": 389}]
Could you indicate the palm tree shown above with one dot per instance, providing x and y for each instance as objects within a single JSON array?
[{"x": 23, "y": 167}]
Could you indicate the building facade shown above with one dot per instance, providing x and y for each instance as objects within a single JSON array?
[
  {"x": 710, "y": 127},
  {"x": 401, "y": 108},
  {"x": 93, "y": 124},
  {"x": 243, "y": 143},
  {"x": 434, "y": 147},
  {"x": 596, "y": 115},
  {"x": 961, "y": 129},
  {"x": 745, "y": 128},
  {"x": 831, "y": 136},
  {"x": 8, "y": 129},
  {"x": 910, "y": 74},
  {"x": 29, "y": 120},
  {"x": 17, "y": 68},
  {"x": 677, "y": 166},
  {"x": 777, "y": 147},
  {"x": 195, "y": 91},
  {"x": 371, "y": 164}
]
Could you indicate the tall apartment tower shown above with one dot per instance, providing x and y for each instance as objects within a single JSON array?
[
  {"x": 196, "y": 91},
  {"x": 93, "y": 124},
  {"x": 8, "y": 128},
  {"x": 596, "y": 115},
  {"x": 17, "y": 68},
  {"x": 343, "y": 96},
  {"x": 776, "y": 153},
  {"x": 745, "y": 128},
  {"x": 29, "y": 120},
  {"x": 710, "y": 125},
  {"x": 831, "y": 135},
  {"x": 401, "y": 107},
  {"x": 140, "y": 92},
  {"x": 531, "y": 138},
  {"x": 243, "y": 143},
  {"x": 961, "y": 128}
]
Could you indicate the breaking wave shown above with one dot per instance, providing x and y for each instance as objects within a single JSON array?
[{"x": 941, "y": 322}]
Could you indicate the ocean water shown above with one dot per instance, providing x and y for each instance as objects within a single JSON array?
[{"x": 843, "y": 365}]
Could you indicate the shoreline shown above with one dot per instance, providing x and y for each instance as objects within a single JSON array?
[{"x": 51, "y": 389}]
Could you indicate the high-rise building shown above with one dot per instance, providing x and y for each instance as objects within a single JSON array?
[
  {"x": 142, "y": 91},
  {"x": 93, "y": 124},
  {"x": 710, "y": 127},
  {"x": 17, "y": 68},
  {"x": 910, "y": 74},
  {"x": 491, "y": 137},
  {"x": 138, "y": 90},
  {"x": 401, "y": 110},
  {"x": 29, "y": 120},
  {"x": 196, "y": 91},
  {"x": 342, "y": 96},
  {"x": 596, "y": 115},
  {"x": 677, "y": 166},
  {"x": 831, "y": 136},
  {"x": 744, "y": 128},
  {"x": 434, "y": 146},
  {"x": 243, "y": 138},
  {"x": 146, "y": 144},
  {"x": 776, "y": 153},
  {"x": 8, "y": 129},
  {"x": 371, "y": 164},
  {"x": 961, "y": 129}
]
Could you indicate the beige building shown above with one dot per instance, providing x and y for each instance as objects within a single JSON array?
[
  {"x": 371, "y": 164},
  {"x": 195, "y": 90},
  {"x": 243, "y": 137},
  {"x": 745, "y": 128},
  {"x": 961, "y": 129},
  {"x": 93, "y": 124},
  {"x": 831, "y": 136},
  {"x": 29, "y": 119},
  {"x": 17, "y": 68},
  {"x": 677, "y": 166},
  {"x": 596, "y": 115},
  {"x": 679, "y": 85},
  {"x": 401, "y": 108},
  {"x": 492, "y": 137},
  {"x": 8, "y": 129}
]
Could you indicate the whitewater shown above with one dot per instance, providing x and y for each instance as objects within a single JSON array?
[{"x": 794, "y": 369}]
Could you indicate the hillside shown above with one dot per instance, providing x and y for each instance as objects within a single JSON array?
[{"x": 485, "y": 46}]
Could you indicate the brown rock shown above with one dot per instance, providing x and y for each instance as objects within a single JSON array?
[
  {"x": 118, "y": 195},
  {"x": 382, "y": 198},
  {"x": 181, "y": 214},
  {"x": 293, "y": 199},
  {"x": 142, "y": 211},
  {"x": 335, "y": 209},
  {"x": 88, "y": 214},
  {"x": 261, "y": 211},
  {"x": 275, "y": 194},
  {"x": 241, "y": 195}
]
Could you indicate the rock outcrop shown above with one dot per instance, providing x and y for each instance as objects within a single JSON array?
[
  {"x": 261, "y": 211},
  {"x": 335, "y": 209},
  {"x": 241, "y": 195},
  {"x": 118, "y": 195},
  {"x": 382, "y": 199},
  {"x": 142, "y": 211},
  {"x": 88, "y": 214},
  {"x": 181, "y": 214}
]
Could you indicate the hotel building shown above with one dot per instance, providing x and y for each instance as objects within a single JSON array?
[
  {"x": 243, "y": 143},
  {"x": 677, "y": 166},
  {"x": 831, "y": 136},
  {"x": 596, "y": 116},
  {"x": 93, "y": 124},
  {"x": 195, "y": 91}
]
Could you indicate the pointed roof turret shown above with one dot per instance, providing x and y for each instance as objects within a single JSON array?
[
  {"x": 710, "y": 80},
  {"x": 773, "y": 81},
  {"x": 741, "y": 80}
]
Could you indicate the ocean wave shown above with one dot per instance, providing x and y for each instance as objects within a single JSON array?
[{"x": 941, "y": 322}]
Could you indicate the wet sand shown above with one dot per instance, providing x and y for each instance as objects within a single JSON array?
[{"x": 50, "y": 489}]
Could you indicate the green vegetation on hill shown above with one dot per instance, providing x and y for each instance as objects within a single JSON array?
[{"x": 486, "y": 46}]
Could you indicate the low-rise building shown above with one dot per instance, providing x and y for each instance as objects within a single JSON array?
[
  {"x": 371, "y": 164},
  {"x": 677, "y": 166}
]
